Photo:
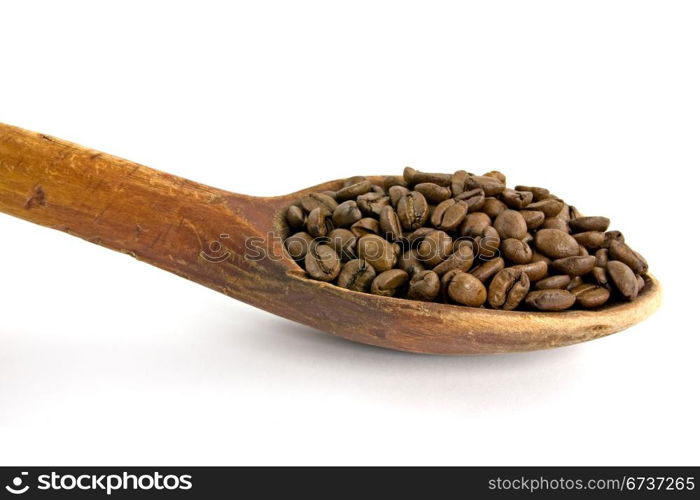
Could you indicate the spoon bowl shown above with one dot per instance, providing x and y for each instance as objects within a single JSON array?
[{"x": 233, "y": 243}]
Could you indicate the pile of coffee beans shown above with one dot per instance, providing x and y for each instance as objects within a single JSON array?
[{"x": 462, "y": 239}]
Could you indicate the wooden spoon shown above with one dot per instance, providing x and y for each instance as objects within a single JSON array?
[{"x": 216, "y": 238}]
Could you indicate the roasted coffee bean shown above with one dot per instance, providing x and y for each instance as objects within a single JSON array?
[
  {"x": 493, "y": 207},
  {"x": 555, "y": 223},
  {"x": 434, "y": 248},
  {"x": 622, "y": 252},
  {"x": 371, "y": 203},
  {"x": 322, "y": 263},
  {"x": 508, "y": 288},
  {"x": 465, "y": 289},
  {"x": 298, "y": 245},
  {"x": 534, "y": 270},
  {"x": 389, "y": 223},
  {"x": 346, "y": 214},
  {"x": 556, "y": 244},
  {"x": 432, "y": 192},
  {"x": 409, "y": 262},
  {"x": 388, "y": 282},
  {"x": 395, "y": 194},
  {"x": 457, "y": 182},
  {"x": 550, "y": 300},
  {"x": 533, "y": 218},
  {"x": 487, "y": 244},
  {"x": 611, "y": 236},
  {"x": 491, "y": 185},
  {"x": 461, "y": 259},
  {"x": 575, "y": 266},
  {"x": 550, "y": 207},
  {"x": 365, "y": 226},
  {"x": 589, "y": 296},
  {"x": 343, "y": 242},
  {"x": 424, "y": 285},
  {"x": 353, "y": 190},
  {"x": 590, "y": 239},
  {"x": 319, "y": 222},
  {"x": 516, "y": 251},
  {"x": 315, "y": 200},
  {"x": 412, "y": 210},
  {"x": 623, "y": 278},
  {"x": 474, "y": 198},
  {"x": 296, "y": 218},
  {"x": 449, "y": 214},
  {"x": 485, "y": 271},
  {"x": 538, "y": 193},
  {"x": 357, "y": 275},
  {"x": 510, "y": 224},
  {"x": 474, "y": 224},
  {"x": 558, "y": 281},
  {"x": 582, "y": 224},
  {"x": 413, "y": 177},
  {"x": 376, "y": 251},
  {"x": 530, "y": 246},
  {"x": 516, "y": 199},
  {"x": 393, "y": 180}
]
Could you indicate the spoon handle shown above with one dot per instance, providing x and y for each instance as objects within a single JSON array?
[{"x": 195, "y": 231}]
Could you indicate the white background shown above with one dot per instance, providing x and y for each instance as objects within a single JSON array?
[{"x": 104, "y": 360}]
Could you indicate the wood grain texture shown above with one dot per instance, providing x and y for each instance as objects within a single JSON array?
[{"x": 214, "y": 237}]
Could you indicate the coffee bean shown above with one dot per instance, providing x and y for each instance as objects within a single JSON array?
[
  {"x": 474, "y": 198},
  {"x": 486, "y": 245},
  {"x": 538, "y": 193},
  {"x": 508, "y": 287},
  {"x": 516, "y": 251},
  {"x": 533, "y": 218},
  {"x": 343, "y": 242},
  {"x": 575, "y": 266},
  {"x": 550, "y": 300},
  {"x": 449, "y": 214},
  {"x": 298, "y": 245},
  {"x": 365, "y": 226},
  {"x": 582, "y": 224},
  {"x": 575, "y": 282},
  {"x": 389, "y": 223},
  {"x": 322, "y": 263},
  {"x": 394, "y": 180},
  {"x": 555, "y": 223},
  {"x": 623, "y": 278},
  {"x": 622, "y": 252},
  {"x": 611, "y": 236},
  {"x": 315, "y": 200},
  {"x": 549, "y": 207},
  {"x": 409, "y": 262},
  {"x": 354, "y": 180},
  {"x": 415, "y": 237},
  {"x": 376, "y": 251},
  {"x": 558, "y": 281},
  {"x": 371, "y": 203},
  {"x": 493, "y": 207},
  {"x": 396, "y": 193},
  {"x": 510, "y": 224},
  {"x": 461, "y": 259},
  {"x": 496, "y": 175},
  {"x": 424, "y": 285},
  {"x": 600, "y": 276},
  {"x": 319, "y": 222},
  {"x": 353, "y": 190},
  {"x": 484, "y": 272},
  {"x": 640, "y": 283},
  {"x": 474, "y": 224},
  {"x": 538, "y": 257},
  {"x": 434, "y": 248},
  {"x": 490, "y": 185},
  {"x": 296, "y": 217},
  {"x": 590, "y": 239},
  {"x": 356, "y": 275},
  {"x": 465, "y": 289},
  {"x": 412, "y": 210},
  {"x": 590, "y": 296},
  {"x": 516, "y": 199},
  {"x": 457, "y": 182},
  {"x": 346, "y": 214},
  {"x": 534, "y": 270},
  {"x": 556, "y": 244},
  {"x": 414, "y": 177},
  {"x": 432, "y": 192},
  {"x": 388, "y": 282},
  {"x": 601, "y": 257}
]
